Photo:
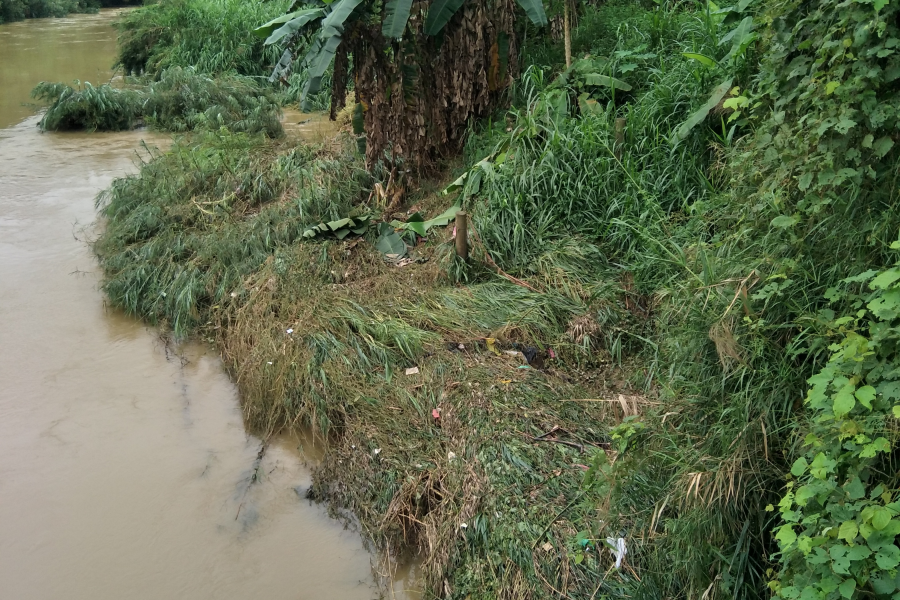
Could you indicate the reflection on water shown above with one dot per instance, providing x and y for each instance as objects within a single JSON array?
[{"x": 125, "y": 470}]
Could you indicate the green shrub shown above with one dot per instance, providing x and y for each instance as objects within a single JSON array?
[{"x": 839, "y": 533}]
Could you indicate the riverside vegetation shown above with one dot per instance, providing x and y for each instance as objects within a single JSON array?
[
  {"x": 691, "y": 233},
  {"x": 16, "y": 10}
]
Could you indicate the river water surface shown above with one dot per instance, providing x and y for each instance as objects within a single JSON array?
[{"x": 125, "y": 469}]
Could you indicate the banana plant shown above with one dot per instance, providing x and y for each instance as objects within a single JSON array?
[{"x": 328, "y": 21}]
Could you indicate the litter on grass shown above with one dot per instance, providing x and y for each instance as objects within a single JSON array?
[{"x": 617, "y": 547}]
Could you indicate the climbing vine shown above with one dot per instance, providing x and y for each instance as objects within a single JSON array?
[
  {"x": 829, "y": 92},
  {"x": 841, "y": 508}
]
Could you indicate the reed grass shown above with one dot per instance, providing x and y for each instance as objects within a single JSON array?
[
  {"x": 213, "y": 36},
  {"x": 181, "y": 100}
]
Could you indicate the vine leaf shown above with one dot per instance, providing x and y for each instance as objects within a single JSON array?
[{"x": 882, "y": 146}]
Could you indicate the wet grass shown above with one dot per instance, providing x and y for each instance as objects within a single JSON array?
[
  {"x": 181, "y": 100},
  {"x": 206, "y": 240}
]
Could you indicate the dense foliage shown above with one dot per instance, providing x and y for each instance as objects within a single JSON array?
[
  {"x": 695, "y": 221},
  {"x": 213, "y": 36},
  {"x": 839, "y": 536},
  {"x": 419, "y": 71}
]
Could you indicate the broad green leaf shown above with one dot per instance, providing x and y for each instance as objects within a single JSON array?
[
  {"x": 456, "y": 185},
  {"x": 294, "y": 25},
  {"x": 805, "y": 180},
  {"x": 844, "y": 125},
  {"x": 335, "y": 20},
  {"x": 883, "y": 585},
  {"x": 742, "y": 36},
  {"x": 822, "y": 465},
  {"x": 444, "y": 218},
  {"x": 887, "y": 305},
  {"x": 881, "y": 518},
  {"x": 799, "y": 467},
  {"x": 396, "y": 14},
  {"x": 859, "y": 552},
  {"x": 318, "y": 59},
  {"x": 847, "y": 587},
  {"x": 786, "y": 536},
  {"x": 888, "y": 557},
  {"x": 882, "y": 146},
  {"x": 784, "y": 221},
  {"x": 701, "y": 58},
  {"x": 831, "y": 86},
  {"x": 883, "y": 280},
  {"x": 697, "y": 117},
  {"x": 848, "y": 531},
  {"x": 865, "y": 395},
  {"x": 855, "y": 489},
  {"x": 606, "y": 81},
  {"x": 844, "y": 401},
  {"x": 439, "y": 13},
  {"x": 896, "y": 411},
  {"x": 535, "y": 11},
  {"x": 389, "y": 242}
]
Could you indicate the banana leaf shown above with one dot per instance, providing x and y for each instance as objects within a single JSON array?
[
  {"x": 293, "y": 26},
  {"x": 535, "y": 11},
  {"x": 440, "y": 12},
  {"x": 266, "y": 30},
  {"x": 396, "y": 14},
  {"x": 695, "y": 119},
  {"x": 340, "y": 228},
  {"x": 321, "y": 52},
  {"x": 606, "y": 81}
]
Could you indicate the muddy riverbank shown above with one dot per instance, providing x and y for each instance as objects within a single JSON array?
[{"x": 125, "y": 468}]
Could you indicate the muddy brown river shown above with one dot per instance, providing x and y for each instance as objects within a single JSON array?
[{"x": 125, "y": 468}]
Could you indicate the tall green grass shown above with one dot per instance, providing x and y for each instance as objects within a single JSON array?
[
  {"x": 181, "y": 100},
  {"x": 184, "y": 233},
  {"x": 213, "y": 36}
]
